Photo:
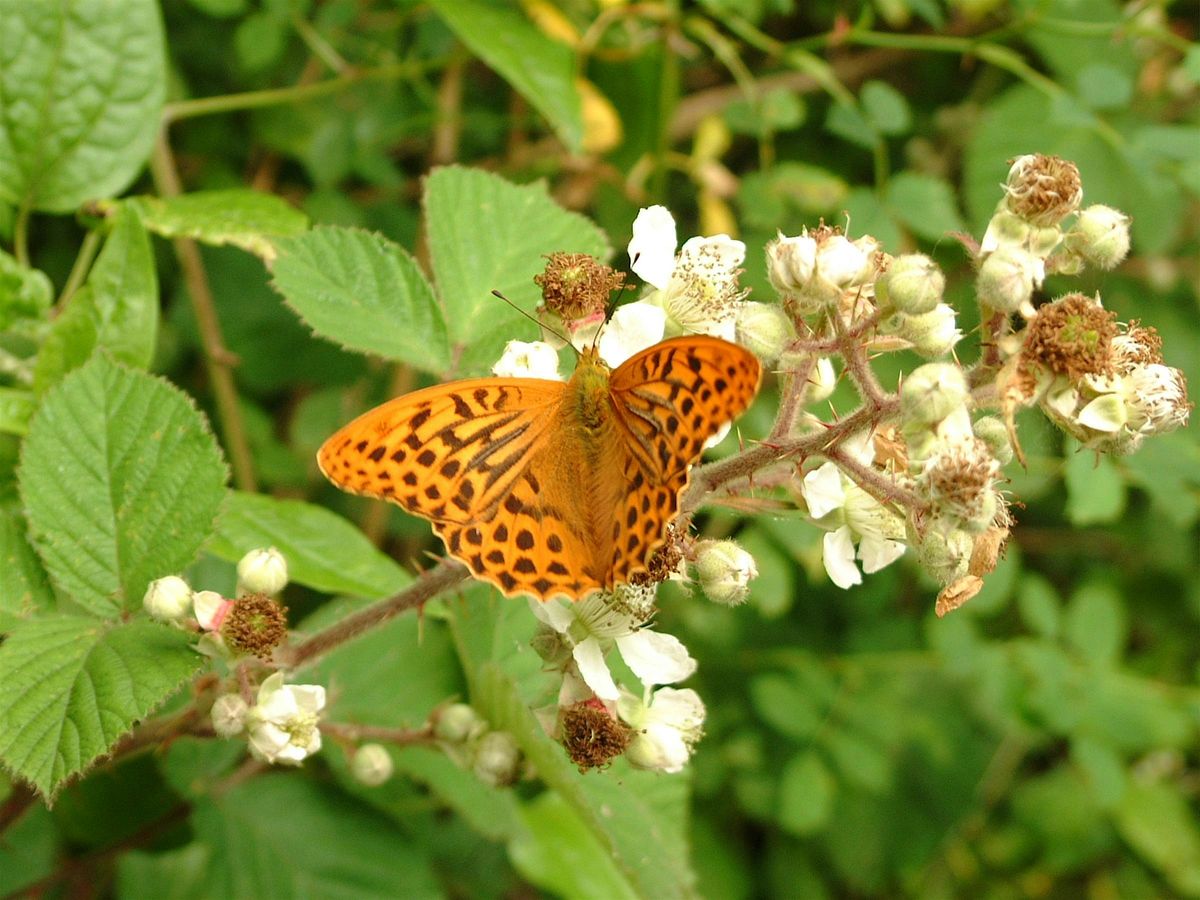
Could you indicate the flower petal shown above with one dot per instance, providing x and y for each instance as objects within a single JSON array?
[
  {"x": 528, "y": 359},
  {"x": 719, "y": 251},
  {"x": 878, "y": 553},
  {"x": 594, "y": 670},
  {"x": 652, "y": 248},
  {"x": 823, "y": 490},
  {"x": 632, "y": 328},
  {"x": 656, "y": 658},
  {"x": 838, "y": 556},
  {"x": 553, "y": 613}
]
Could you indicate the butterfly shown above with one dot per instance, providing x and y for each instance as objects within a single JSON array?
[{"x": 547, "y": 488}]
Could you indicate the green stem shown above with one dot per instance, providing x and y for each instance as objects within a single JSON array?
[
  {"x": 207, "y": 106},
  {"x": 79, "y": 271},
  {"x": 21, "y": 234},
  {"x": 668, "y": 96}
]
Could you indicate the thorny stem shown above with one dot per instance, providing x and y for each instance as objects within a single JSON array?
[
  {"x": 792, "y": 397},
  {"x": 871, "y": 480},
  {"x": 445, "y": 575},
  {"x": 217, "y": 358},
  {"x": 857, "y": 364}
]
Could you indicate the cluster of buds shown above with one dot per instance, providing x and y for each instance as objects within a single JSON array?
[
  {"x": 909, "y": 296},
  {"x": 281, "y": 726},
  {"x": 468, "y": 739}
]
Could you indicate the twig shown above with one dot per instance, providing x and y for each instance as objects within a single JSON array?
[
  {"x": 402, "y": 737},
  {"x": 445, "y": 575},
  {"x": 217, "y": 358}
]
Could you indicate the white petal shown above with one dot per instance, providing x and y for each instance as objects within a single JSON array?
[
  {"x": 1106, "y": 413},
  {"x": 658, "y": 747},
  {"x": 207, "y": 607},
  {"x": 309, "y": 698},
  {"x": 823, "y": 490},
  {"x": 528, "y": 359},
  {"x": 656, "y": 658},
  {"x": 268, "y": 740},
  {"x": 878, "y": 553},
  {"x": 682, "y": 709},
  {"x": 553, "y": 613},
  {"x": 632, "y": 328},
  {"x": 652, "y": 248},
  {"x": 838, "y": 556},
  {"x": 720, "y": 249},
  {"x": 590, "y": 659},
  {"x": 722, "y": 433}
]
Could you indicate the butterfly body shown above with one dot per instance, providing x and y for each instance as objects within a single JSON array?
[{"x": 547, "y": 488}]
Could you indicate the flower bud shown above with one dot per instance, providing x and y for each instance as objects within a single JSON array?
[
  {"x": 168, "y": 599},
  {"x": 945, "y": 554},
  {"x": 791, "y": 262},
  {"x": 763, "y": 329},
  {"x": 912, "y": 284},
  {"x": 372, "y": 765},
  {"x": 932, "y": 392},
  {"x": 1006, "y": 279},
  {"x": 1100, "y": 236},
  {"x": 994, "y": 434},
  {"x": 724, "y": 571},
  {"x": 497, "y": 759},
  {"x": 528, "y": 359},
  {"x": 229, "y": 715},
  {"x": 457, "y": 723},
  {"x": 934, "y": 333},
  {"x": 262, "y": 572},
  {"x": 843, "y": 263}
]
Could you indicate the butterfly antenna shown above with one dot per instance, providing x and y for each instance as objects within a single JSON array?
[{"x": 534, "y": 319}]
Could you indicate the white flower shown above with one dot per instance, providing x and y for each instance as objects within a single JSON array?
[
  {"x": 698, "y": 290},
  {"x": 593, "y": 625},
  {"x": 168, "y": 599},
  {"x": 528, "y": 359},
  {"x": 262, "y": 572},
  {"x": 791, "y": 262},
  {"x": 667, "y": 728},
  {"x": 283, "y": 723},
  {"x": 632, "y": 328},
  {"x": 851, "y": 515},
  {"x": 1156, "y": 396}
]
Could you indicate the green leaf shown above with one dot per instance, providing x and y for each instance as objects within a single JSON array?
[
  {"x": 1168, "y": 469},
  {"x": 487, "y": 234},
  {"x": 69, "y": 344},
  {"x": 806, "y": 790},
  {"x": 323, "y": 550},
  {"x": 24, "y": 587},
  {"x": 885, "y": 108},
  {"x": 1102, "y": 770},
  {"x": 29, "y": 850},
  {"x": 783, "y": 703},
  {"x": 1095, "y": 622},
  {"x": 861, "y": 761},
  {"x": 1038, "y": 604},
  {"x": 280, "y": 836},
  {"x": 557, "y": 852},
  {"x": 364, "y": 292},
  {"x": 1095, "y": 489},
  {"x": 174, "y": 875},
  {"x": 70, "y": 687},
  {"x": 789, "y": 192},
  {"x": 24, "y": 293},
  {"x": 16, "y": 409},
  {"x": 121, "y": 479},
  {"x": 124, "y": 290},
  {"x": 850, "y": 124},
  {"x": 1158, "y": 823},
  {"x": 541, "y": 69},
  {"x": 636, "y": 816},
  {"x": 1101, "y": 86},
  {"x": 260, "y": 40},
  {"x": 82, "y": 99},
  {"x": 241, "y": 218},
  {"x": 926, "y": 204}
]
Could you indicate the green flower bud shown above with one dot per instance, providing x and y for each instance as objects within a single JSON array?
[
  {"x": 763, "y": 329},
  {"x": 1006, "y": 278},
  {"x": 497, "y": 759},
  {"x": 229, "y": 715},
  {"x": 725, "y": 571},
  {"x": 1100, "y": 236},
  {"x": 1005, "y": 229},
  {"x": 932, "y": 392},
  {"x": 168, "y": 599},
  {"x": 372, "y": 765},
  {"x": 262, "y": 572},
  {"x": 945, "y": 555},
  {"x": 457, "y": 723},
  {"x": 993, "y": 432},
  {"x": 934, "y": 333},
  {"x": 912, "y": 284}
]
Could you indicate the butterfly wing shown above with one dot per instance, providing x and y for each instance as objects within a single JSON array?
[
  {"x": 450, "y": 453},
  {"x": 668, "y": 401}
]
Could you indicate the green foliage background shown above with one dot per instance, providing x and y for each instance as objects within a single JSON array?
[{"x": 1040, "y": 742}]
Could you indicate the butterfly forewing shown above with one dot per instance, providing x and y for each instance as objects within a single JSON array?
[{"x": 450, "y": 453}]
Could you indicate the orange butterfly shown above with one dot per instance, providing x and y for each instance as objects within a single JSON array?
[{"x": 548, "y": 488}]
